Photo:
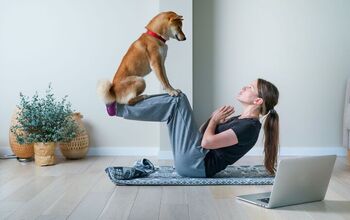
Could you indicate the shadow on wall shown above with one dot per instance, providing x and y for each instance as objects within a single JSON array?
[
  {"x": 203, "y": 59},
  {"x": 90, "y": 129}
]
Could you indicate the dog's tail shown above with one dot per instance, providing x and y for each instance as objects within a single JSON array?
[{"x": 105, "y": 91}]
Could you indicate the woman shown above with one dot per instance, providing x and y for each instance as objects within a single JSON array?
[{"x": 222, "y": 140}]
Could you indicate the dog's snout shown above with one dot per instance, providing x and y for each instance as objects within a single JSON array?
[{"x": 180, "y": 37}]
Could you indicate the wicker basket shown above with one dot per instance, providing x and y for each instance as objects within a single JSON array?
[
  {"x": 78, "y": 147},
  {"x": 22, "y": 151}
]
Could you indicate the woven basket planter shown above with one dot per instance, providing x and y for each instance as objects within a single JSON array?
[
  {"x": 78, "y": 147},
  {"x": 22, "y": 151},
  {"x": 44, "y": 153}
]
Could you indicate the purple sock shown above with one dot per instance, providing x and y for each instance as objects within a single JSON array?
[{"x": 111, "y": 109}]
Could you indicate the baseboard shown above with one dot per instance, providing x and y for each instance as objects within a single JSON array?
[
  {"x": 154, "y": 151},
  {"x": 106, "y": 151},
  {"x": 302, "y": 151},
  {"x": 284, "y": 151},
  {"x": 123, "y": 151}
]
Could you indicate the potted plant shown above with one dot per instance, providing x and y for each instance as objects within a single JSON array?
[{"x": 44, "y": 121}]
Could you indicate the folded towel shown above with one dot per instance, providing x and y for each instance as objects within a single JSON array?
[{"x": 141, "y": 168}]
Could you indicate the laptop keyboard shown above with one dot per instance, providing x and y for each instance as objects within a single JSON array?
[{"x": 265, "y": 200}]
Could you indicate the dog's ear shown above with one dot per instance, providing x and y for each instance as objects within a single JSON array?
[{"x": 177, "y": 18}]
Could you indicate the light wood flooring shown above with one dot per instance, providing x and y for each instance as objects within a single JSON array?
[{"x": 81, "y": 190}]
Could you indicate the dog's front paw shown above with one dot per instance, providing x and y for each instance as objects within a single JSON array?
[{"x": 174, "y": 92}]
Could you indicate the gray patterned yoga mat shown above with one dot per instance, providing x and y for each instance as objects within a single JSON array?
[{"x": 232, "y": 175}]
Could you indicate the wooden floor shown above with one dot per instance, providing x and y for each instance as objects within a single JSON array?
[{"x": 81, "y": 190}]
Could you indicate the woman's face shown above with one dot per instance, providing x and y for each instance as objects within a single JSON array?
[{"x": 249, "y": 93}]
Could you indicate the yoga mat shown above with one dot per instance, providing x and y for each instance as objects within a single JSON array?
[{"x": 232, "y": 175}]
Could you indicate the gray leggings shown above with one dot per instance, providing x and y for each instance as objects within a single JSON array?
[{"x": 183, "y": 131}]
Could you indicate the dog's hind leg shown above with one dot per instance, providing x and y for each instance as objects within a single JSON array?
[
  {"x": 135, "y": 100},
  {"x": 139, "y": 86},
  {"x": 130, "y": 90}
]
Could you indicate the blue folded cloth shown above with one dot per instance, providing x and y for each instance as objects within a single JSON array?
[
  {"x": 144, "y": 165},
  {"x": 141, "y": 168}
]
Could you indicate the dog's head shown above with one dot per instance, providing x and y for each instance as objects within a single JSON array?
[
  {"x": 168, "y": 25},
  {"x": 175, "y": 26}
]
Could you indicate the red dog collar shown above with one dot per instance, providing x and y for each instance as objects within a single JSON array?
[{"x": 155, "y": 35}]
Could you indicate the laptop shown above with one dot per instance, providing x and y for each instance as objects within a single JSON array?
[{"x": 298, "y": 180}]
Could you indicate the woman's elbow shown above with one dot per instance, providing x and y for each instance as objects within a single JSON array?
[{"x": 205, "y": 144}]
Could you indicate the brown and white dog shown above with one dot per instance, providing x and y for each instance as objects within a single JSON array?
[{"x": 146, "y": 54}]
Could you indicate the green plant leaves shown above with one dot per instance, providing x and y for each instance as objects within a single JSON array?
[{"x": 44, "y": 119}]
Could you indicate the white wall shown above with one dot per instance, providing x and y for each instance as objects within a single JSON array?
[
  {"x": 73, "y": 44},
  {"x": 301, "y": 46}
]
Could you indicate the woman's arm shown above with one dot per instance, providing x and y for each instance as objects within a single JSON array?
[{"x": 211, "y": 140}]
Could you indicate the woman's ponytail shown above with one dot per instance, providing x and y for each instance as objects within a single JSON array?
[
  {"x": 269, "y": 93},
  {"x": 271, "y": 141}
]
